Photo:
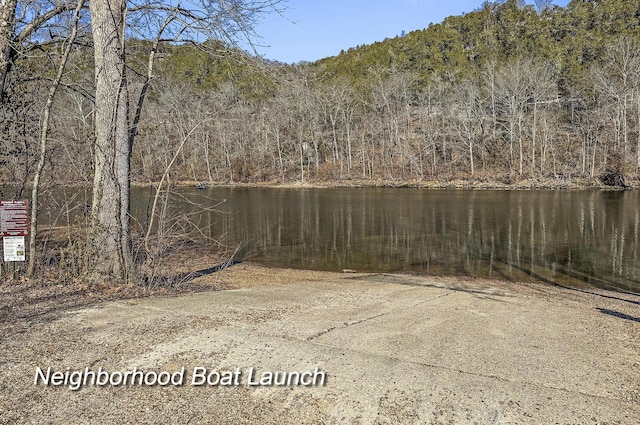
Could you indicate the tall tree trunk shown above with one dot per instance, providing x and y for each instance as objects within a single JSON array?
[
  {"x": 111, "y": 237},
  {"x": 7, "y": 24}
]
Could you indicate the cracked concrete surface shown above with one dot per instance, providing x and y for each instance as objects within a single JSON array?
[{"x": 428, "y": 350}]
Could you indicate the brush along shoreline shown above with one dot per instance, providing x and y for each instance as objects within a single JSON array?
[{"x": 505, "y": 183}]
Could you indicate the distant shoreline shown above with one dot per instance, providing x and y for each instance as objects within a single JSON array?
[
  {"x": 633, "y": 183},
  {"x": 466, "y": 184}
]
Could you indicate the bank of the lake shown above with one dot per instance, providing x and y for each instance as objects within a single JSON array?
[
  {"x": 395, "y": 349},
  {"x": 486, "y": 183}
]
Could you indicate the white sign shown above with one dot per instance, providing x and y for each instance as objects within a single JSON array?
[{"x": 13, "y": 248}]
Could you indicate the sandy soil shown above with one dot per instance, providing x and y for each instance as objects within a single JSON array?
[{"x": 383, "y": 349}]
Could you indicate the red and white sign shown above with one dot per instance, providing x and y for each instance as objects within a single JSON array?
[{"x": 14, "y": 218}]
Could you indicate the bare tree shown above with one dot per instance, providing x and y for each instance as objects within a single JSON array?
[
  {"x": 469, "y": 117},
  {"x": 393, "y": 94},
  {"x": 7, "y": 24},
  {"x": 43, "y": 139},
  {"x": 17, "y": 33},
  {"x": 522, "y": 86},
  {"x": 617, "y": 80},
  {"x": 110, "y": 213}
]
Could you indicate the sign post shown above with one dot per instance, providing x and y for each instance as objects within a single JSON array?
[{"x": 14, "y": 226}]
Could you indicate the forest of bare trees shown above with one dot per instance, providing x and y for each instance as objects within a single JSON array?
[
  {"x": 508, "y": 123},
  {"x": 514, "y": 118}
]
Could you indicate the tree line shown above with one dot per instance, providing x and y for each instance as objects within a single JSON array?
[{"x": 504, "y": 93}]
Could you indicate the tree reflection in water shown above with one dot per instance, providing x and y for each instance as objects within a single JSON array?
[{"x": 576, "y": 238}]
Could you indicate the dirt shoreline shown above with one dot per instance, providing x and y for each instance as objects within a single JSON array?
[
  {"x": 453, "y": 183},
  {"x": 394, "y": 348}
]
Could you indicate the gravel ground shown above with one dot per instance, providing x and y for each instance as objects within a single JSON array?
[{"x": 382, "y": 349}]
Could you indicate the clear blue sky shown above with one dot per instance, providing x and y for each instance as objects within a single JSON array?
[{"x": 313, "y": 29}]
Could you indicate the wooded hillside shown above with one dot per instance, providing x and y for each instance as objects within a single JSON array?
[{"x": 505, "y": 93}]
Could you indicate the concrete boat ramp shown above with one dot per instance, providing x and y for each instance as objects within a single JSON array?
[{"x": 361, "y": 349}]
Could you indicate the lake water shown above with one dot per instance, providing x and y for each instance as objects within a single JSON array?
[{"x": 576, "y": 238}]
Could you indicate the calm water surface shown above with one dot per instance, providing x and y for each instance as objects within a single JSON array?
[{"x": 583, "y": 238}]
